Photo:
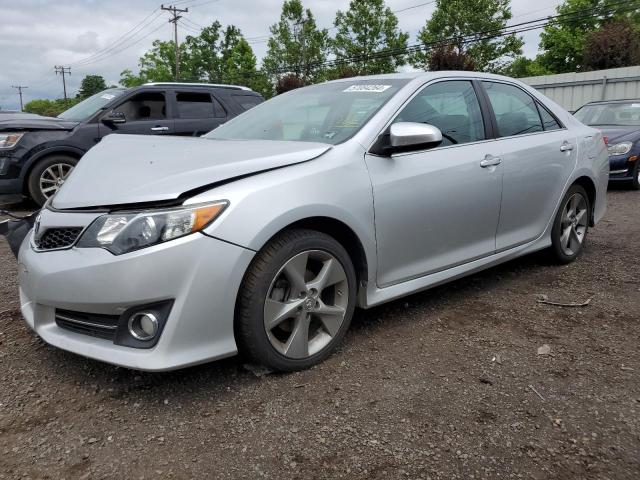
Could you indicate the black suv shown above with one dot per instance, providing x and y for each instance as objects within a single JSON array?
[{"x": 37, "y": 153}]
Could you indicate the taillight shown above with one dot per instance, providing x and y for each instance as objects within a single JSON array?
[{"x": 605, "y": 139}]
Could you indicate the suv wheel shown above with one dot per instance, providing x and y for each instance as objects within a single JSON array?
[
  {"x": 296, "y": 301},
  {"x": 571, "y": 225},
  {"x": 48, "y": 175}
]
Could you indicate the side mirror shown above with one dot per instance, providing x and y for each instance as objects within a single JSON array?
[
  {"x": 404, "y": 135},
  {"x": 114, "y": 117}
]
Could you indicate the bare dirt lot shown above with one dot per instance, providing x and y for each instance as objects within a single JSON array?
[{"x": 443, "y": 384}]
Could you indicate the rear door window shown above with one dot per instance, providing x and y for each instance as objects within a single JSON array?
[
  {"x": 516, "y": 111},
  {"x": 198, "y": 105},
  {"x": 247, "y": 101}
]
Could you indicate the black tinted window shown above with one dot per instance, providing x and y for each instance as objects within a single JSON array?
[
  {"x": 548, "y": 121},
  {"x": 516, "y": 111},
  {"x": 144, "y": 106},
  {"x": 196, "y": 105},
  {"x": 452, "y": 107},
  {"x": 247, "y": 101}
]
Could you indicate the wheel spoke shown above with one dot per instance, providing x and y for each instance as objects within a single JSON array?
[
  {"x": 47, "y": 180},
  {"x": 574, "y": 204},
  {"x": 50, "y": 189},
  {"x": 575, "y": 240},
  {"x": 276, "y": 312},
  {"x": 297, "y": 345},
  {"x": 330, "y": 274},
  {"x": 580, "y": 215},
  {"x": 565, "y": 238},
  {"x": 331, "y": 317},
  {"x": 295, "y": 270}
]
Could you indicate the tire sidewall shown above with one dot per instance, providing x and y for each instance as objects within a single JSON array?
[
  {"x": 635, "y": 183},
  {"x": 261, "y": 349},
  {"x": 33, "y": 182},
  {"x": 556, "y": 230}
]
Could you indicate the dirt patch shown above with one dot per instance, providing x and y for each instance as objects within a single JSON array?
[{"x": 443, "y": 384}]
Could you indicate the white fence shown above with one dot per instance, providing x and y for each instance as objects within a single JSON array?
[{"x": 572, "y": 90}]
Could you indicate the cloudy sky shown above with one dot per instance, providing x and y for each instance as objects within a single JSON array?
[{"x": 88, "y": 35}]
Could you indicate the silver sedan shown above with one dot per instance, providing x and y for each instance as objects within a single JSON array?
[{"x": 263, "y": 236}]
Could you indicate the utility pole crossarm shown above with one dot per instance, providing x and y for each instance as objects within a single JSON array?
[
  {"x": 174, "y": 19},
  {"x": 20, "y": 88}
]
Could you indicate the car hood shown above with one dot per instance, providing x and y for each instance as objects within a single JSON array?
[
  {"x": 620, "y": 134},
  {"x": 25, "y": 121},
  {"x": 137, "y": 169}
]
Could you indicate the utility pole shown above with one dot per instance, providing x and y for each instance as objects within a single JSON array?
[
  {"x": 60, "y": 70},
  {"x": 174, "y": 19},
  {"x": 20, "y": 88}
]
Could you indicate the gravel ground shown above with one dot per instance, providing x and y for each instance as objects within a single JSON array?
[{"x": 443, "y": 384}]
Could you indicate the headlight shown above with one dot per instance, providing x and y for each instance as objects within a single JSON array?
[
  {"x": 9, "y": 140},
  {"x": 125, "y": 232},
  {"x": 621, "y": 148}
]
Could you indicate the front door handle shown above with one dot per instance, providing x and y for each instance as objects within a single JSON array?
[
  {"x": 490, "y": 161},
  {"x": 159, "y": 129},
  {"x": 566, "y": 147}
]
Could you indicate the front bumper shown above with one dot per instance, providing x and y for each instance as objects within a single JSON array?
[
  {"x": 621, "y": 168},
  {"x": 201, "y": 274}
]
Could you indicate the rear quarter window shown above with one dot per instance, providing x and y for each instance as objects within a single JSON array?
[{"x": 247, "y": 101}]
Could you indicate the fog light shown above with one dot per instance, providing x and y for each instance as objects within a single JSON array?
[{"x": 143, "y": 325}]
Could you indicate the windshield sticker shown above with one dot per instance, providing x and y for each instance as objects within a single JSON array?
[
  {"x": 367, "y": 88},
  {"x": 108, "y": 96}
]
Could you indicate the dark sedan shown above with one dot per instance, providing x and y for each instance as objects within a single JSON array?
[{"x": 619, "y": 121}]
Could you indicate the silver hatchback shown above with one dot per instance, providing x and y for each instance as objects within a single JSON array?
[{"x": 263, "y": 236}]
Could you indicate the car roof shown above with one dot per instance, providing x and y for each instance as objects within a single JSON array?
[
  {"x": 621, "y": 100},
  {"x": 425, "y": 76}
]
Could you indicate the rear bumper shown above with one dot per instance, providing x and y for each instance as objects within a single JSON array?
[{"x": 200, "y": 274}]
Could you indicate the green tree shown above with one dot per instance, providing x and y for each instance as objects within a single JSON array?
[
  {"x": 296, "y": 45},
  {"x": 216, "y": 55},
  {"x": 564, "y": 40},
  {"x": 368, "y": 38},
  {"x": 90, "y": 85},
  {"x": 526, "y": 67},
  {"x": 455, "y": 20},
  {"x": 50, "y": 108}
]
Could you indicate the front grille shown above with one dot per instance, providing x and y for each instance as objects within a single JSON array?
[
  {"x": 93, "y": 324},
  {"x": 54, "y": 238}
]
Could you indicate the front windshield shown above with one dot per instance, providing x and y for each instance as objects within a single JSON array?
[
  {"x": 617, "y": 114},
  {"x": 91, "y": 105},
  {"x": 328, "y": 113}
]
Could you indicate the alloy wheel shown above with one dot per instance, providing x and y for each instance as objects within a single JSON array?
[
  {"x": 306, "y": 304},
  {"x": 574, "y": 224},
  {"x": 53, "y": 177}
]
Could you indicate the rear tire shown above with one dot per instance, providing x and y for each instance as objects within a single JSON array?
[
  {"x": 48, "y": 175},
  {"x": 296, "y": 301},
  {"x": 571, "y": 225}
]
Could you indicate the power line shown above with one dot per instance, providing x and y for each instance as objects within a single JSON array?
[
  {"x": 128, "y": 35},
  {"x": 20, "y": 88},
  {"x": 61, "y": 70}
]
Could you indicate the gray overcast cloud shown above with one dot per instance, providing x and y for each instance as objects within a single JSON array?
[{"x": 35, "y": 35}]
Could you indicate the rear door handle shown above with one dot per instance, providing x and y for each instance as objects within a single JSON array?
[
  {"x": 566, "y": 147},
  {"x": 159, "y": 129},
  {"x": 490, "y": 161}
]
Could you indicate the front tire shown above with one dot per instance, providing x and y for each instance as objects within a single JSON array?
[
  {"x": 296, "y": 301},
  {"x": 571, "y": 225},
  {"x": 635, "y": 183},
  {"x": 48, "y": 175}
]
